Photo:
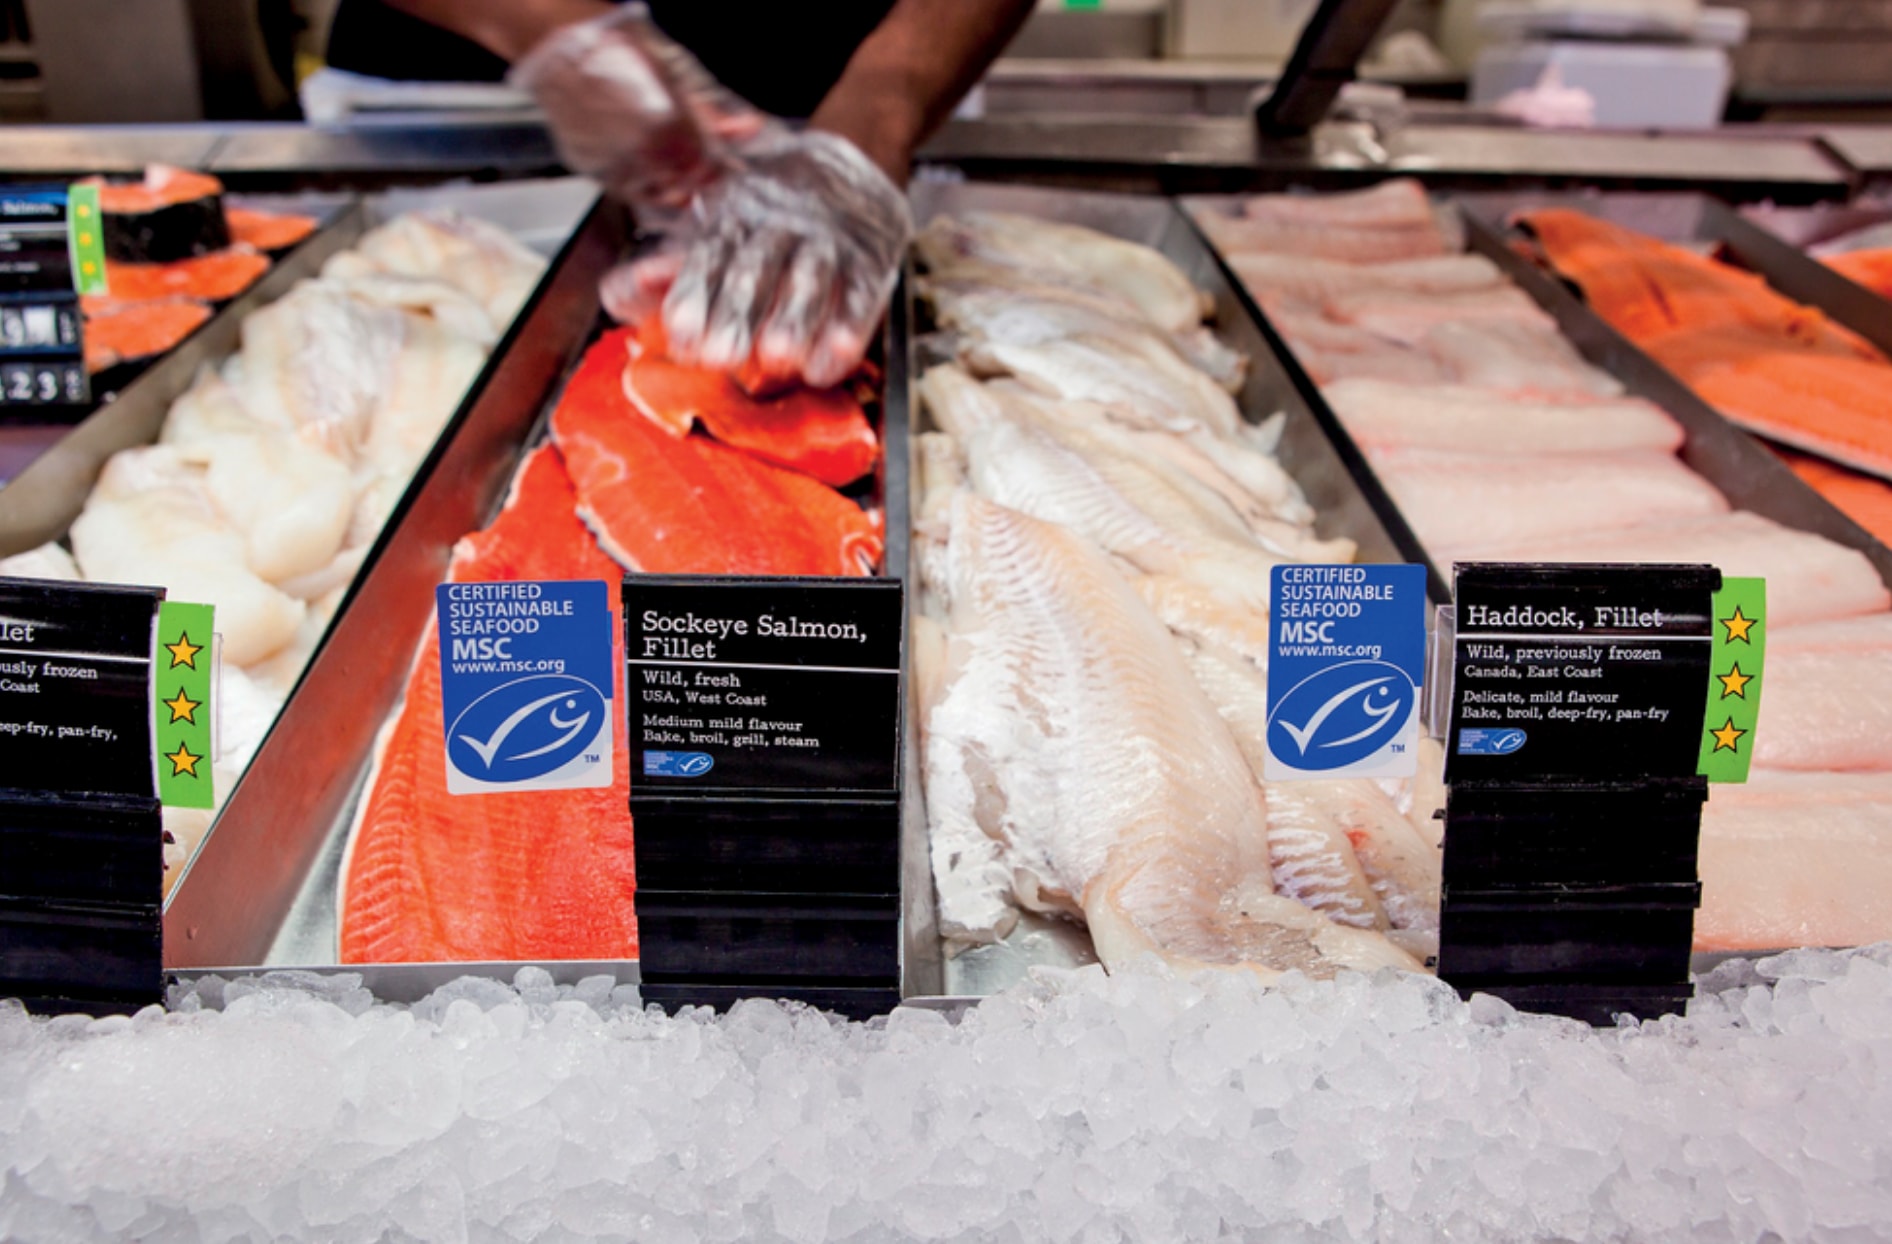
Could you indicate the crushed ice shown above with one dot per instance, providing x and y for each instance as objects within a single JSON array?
[{"x": 1076, "y": 1107}]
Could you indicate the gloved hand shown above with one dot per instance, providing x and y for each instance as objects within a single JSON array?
[
  {"x": 634, "y": 110},
  {"x": 783, "y": 266}
]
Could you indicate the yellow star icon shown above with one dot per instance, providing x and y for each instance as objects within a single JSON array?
[
  {"x": 183, "y": 761},
  {"x": 1726, "y": 736},
  {"x": 1738, "y": 627},
  {"x": 1734, "y": 682},
  {"x": 184, "y": 652},
  {"x": 183, "y": 708}
]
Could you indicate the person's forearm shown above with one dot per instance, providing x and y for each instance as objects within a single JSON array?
[
  {"x": 506, "y": 28},
  {"x": 906, "y": 77}
]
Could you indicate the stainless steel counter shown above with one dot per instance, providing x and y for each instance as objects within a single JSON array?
[
  {"x": 1193, "y": 153},
  {"x": 1867, "y": 148}
]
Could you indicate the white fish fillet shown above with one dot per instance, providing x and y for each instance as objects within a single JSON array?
[
  {"x": 1460, "y": 501},
  {"x": 1070, "y": 729},
  {"x": 477, "y": 257},
  {"x": 1469, "y": 420},
  {"x": 1398, "y": 202},
  {"x": 1409, "y": 316},
  {"x": 1809, "y": 578},
  {"x": 1137, "y": 273},
  {"x": 1522, "y": 356},
  {"x": 151, "y": 520},
  {"x": 1237, "y": 235},
  {"x": 1826, "y": 696},
  {"x": 1796, "y": 859},
  {"x": 48, "y": 561},
  {"x": 1320, "y": 280},
  {"x": 1099, "y": 369}
]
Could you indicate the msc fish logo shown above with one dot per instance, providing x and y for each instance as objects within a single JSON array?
[
  {"x": 526, "y": 729},
  {"x": 1341, "y": 715},
  {"x": 678, "y": 764},
  {"x": 1473, "y": 741}
]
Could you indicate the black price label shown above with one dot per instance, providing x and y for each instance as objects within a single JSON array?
[
  {"x": 75, "y": 687},
  {"x": 1586, "y": 673},
  {"x": 783, "y": 687}
]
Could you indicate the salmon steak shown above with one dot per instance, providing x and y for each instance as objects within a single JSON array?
[
  {"x": 668, "y": 504},
  {"x": 126, "y": 332},
  {"x": 819, "y": 432},
  {"x": 267, "y": 231},
  {"x": 216, "y": 277},
  {"x": 539, "y": 875},
  {"x": 1768, "y": 363}
]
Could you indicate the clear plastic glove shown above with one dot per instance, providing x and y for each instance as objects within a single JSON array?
[
  {"x": 783, "y": 268},
  {"x": 634, "y": 110}
]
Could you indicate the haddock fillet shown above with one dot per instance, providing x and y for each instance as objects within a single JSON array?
[
  {"x": 542, "y": 875},
  {"x": 665, "y": 504}
]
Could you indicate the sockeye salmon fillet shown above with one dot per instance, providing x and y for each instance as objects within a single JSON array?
[
  {"x": 819, "y": 432},
  {"x": 267, "y": 231},
  {"x": 544, "y": 875},
  {"x": 1765, "y": 361},
  {"x": 216, "y": 277},
  {"x": 1863, "y": 498},
  {"x": 666, "y": 504},
  {"x": 126, "y": 332}
]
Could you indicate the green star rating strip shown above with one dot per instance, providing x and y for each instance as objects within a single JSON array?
[
  {"x": 181, "y": 679},
  {"x": 85, "y": 235},
  {"x": 1734, "y": 680}
]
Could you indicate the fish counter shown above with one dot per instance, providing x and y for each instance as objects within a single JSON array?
[{"x": 1125, "y": 414}]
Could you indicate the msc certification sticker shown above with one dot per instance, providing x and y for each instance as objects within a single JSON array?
[
  {"x": 525, "y": 685},
  {"x": 1346, "y": 658}
]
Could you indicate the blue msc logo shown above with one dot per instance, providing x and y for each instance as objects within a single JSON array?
[
  {"x": 1340, "y": 715},
  {"x": 677, "y": 764},
  {"x": 526, "y": 729},
  {"x": 1476, "y": 742}
]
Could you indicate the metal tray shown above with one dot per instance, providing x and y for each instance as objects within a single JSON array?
[
  {"x": 261, "y": 893},
  {"x": 1806, "y": 227},
  {"x": 1314, "y": 449},
  {"x": 39, "y": 502},
  {"x": 1728, "y": 457}
]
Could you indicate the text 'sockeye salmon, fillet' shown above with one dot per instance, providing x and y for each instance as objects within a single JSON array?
[
  {"x": 542, "y": 875},
  {"x": 666, "y": 504},
  {"x": 819, "y": 432}
]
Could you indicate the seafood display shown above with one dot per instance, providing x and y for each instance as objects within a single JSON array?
[
  {"x": 173, "y": 250},
  {"x": 1095, "y": 524},
  {"x": 275, "y": 472},
  {"x": 1774, "y": 366},
  {"x": 626, "y": 482},
  {"x": 1499, "y": 443}
]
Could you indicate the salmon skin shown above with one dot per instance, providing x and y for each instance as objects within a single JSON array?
[
  {"x": 819, "y": 432},
  {"x": 1768, "y": 363},
  {"x": 540, "y": 875},
  {"x": 171, "y": 213},
  {"x": 274, "y": 232},
  {"x": 667, "y": 504}
]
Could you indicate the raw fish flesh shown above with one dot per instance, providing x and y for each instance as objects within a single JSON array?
[
  {"x": 267, "y": 231},
  {"x": 1826, "y": 696},
  {"x": 1069, "y": 729},
  {"x": 1237, "y": 235},
  {"x": 666, "y": 504},
  {"x": 1866, "y": 499},
  {"x": 1767, "y": 362},
  {"x": 820, "y": 432},
  {"x": 1473, "y": 420},
  {"x": 1457, "y": 501},
  {"x": 541, "y": 875},
  {"x": 484, "y": 260},
  {"x": 151, "y": 519},
  {"x": 1809, "y": 578},
  {"x": 1321, "y": 280},
  {"x": 1138, "y": 274},
  {"x": 1519, "y": 356},
  {"x": 128, "y": 332},
  {"x": 216, "y": 277},
  {"x": 1796, "y": 859},
  {"x": 48, "y": 561},
  {"x": 1167, "y": 394},
  {"x": 1409, "y": 316},
  {"x": 1870, "y": 268}
]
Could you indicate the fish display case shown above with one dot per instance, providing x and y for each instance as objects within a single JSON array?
[
  {"x": 1314, "y": 449},
  {"x": 1834, "y": 234},
  {"x": 50, "y": 457},
  {"x": 784, "y": 899},
  {"x": 39, "y": 509}
]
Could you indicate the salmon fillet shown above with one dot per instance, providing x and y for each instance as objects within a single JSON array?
[
  {"x": 1769, "y": 363},
  {"x": 1862, "y": 498},
  {"x": 819, "y": 432},
  {"x": 542, "y": 875},
  {"x": 666, "y": 504}
]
